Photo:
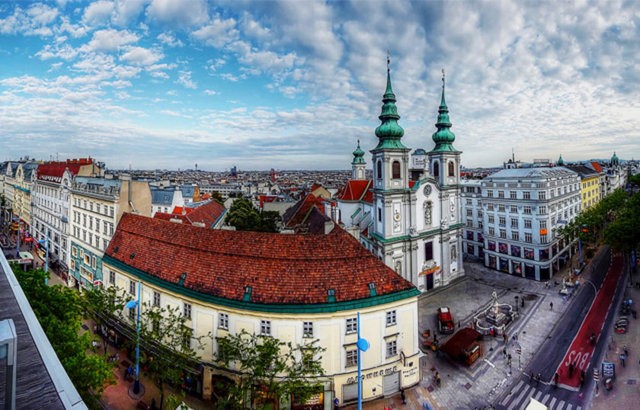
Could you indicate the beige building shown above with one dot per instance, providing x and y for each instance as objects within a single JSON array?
[
  {"x": 96, "y": 206},
  {"x": 296, "y": 288}
]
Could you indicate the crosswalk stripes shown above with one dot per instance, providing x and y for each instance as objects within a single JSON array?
[{"x": 522, "y": 392}]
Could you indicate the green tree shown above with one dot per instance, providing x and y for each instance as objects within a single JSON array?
[
  {"x": 104, "y": 306},
  {"x": 245, "y": 217},
  {"x": 60, "y": 312},
  {"x": 267, "y": 370},
  {"x": 170, "y": 349}
]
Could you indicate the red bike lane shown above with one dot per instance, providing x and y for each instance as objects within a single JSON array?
[{"x": 579, "y": 354}]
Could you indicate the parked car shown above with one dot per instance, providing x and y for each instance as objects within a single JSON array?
[{"x": 445, "y": 320}]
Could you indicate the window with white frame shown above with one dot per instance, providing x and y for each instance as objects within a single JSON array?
[
  {"x": 527, "y": 210},
  {"x": 351, "y": 357},
  {"x": 527, "y": 223},
  {"x": 132, "y": 288},
  {"x": 352, "y": 325},
  {"x": 515, "y": 236},
  {"x": 265, "y": 327},
  {"x": 156, "y": 299},
  {"x": 526, "y": 195},
  {"x": 307, "y": 329},
  {"x": 514, "y": 223},
  {"x": 391, "y": 317},
  {"x": 492, "y": 231},
  {"x": 186, "y": 310},
  {"x": 223, "y": 321},
  {"x": 112, "y": 277},
  {"x": 542, "y": 195},
  {"x": 513, "y": 195},
  {"x": 392, "y": 348},
  {"x": 527, "y": 237}
]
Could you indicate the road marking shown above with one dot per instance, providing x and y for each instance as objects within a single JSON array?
[
  {"x": 538, "y": 395},
  {"x": 561, "y": 405},
  {"x": 509, "y": 396},
  {"x": 522, "y": 394},
  {"x": 553, "y": 401},
  {"x": 569, "y": 405},
  {"x": 489, "y": 363},
  {"x": 546, "y": 397}
]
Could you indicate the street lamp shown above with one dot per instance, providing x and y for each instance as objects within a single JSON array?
[
  {"x": 363, "y": 345},
  {"x": 130, "y": 305}
]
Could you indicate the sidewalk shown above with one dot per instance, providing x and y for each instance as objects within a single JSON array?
[{"x": 625, "y": 393}]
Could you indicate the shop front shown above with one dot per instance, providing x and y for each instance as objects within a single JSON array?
[{"x": 381, "y": 381}]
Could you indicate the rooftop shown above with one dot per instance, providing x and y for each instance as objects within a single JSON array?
[{"x": 280, "y": 269}]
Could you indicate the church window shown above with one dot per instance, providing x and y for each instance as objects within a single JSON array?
[
  {"x": 436, "y": 169},
  {"x": 395, "y": 170},
  {"x": 379, "y": 215},
  {"x": 379, "y": 169},
  {"x": 428, "y": 251},
  {"x": 451, "y": 169}
]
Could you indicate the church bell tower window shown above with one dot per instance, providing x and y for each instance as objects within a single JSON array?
[
  {"x": 395, "y": 170},
  {"x": 451, "y": 169},
  {"x": 379, "y": 169}
]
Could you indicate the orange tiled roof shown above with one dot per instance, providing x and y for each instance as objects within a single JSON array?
[
  {"x": 596, "y": 166},
  {"x": 299, "y": 212},
  {"x": 355, "y": 190},
  {"x": 208, "y": 214},
  {"x": 56, "y": 169},
  {"x": 281, "y": 269}
]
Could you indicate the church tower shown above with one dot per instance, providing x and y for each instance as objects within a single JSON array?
[
  {"x": 390, "y": 172},
  {"x": 444, "y": 164},
  {"x": 358, "y": 165}
]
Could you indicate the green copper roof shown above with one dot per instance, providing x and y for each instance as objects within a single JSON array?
[
  {"x": 443, "y": 137},
  {"x": 389, "y": 132},
  {"x": 358, "y": 155},
  {"x": 560, "y": 161},
  {"x": 614, "y": 159}
]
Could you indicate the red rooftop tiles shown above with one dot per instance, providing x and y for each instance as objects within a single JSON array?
[{"x": 280, "y": 268}]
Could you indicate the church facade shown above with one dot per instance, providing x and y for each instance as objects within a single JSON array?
[{"x": 409, "y": 214}]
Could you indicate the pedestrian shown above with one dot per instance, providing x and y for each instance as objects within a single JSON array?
[
  {"x": 555, "y": 378},
  {"x": 505, "y": 337},
  {"x": 570, "y": 369},
  {"x": 402, "y": 396},
  {"x": 504, "y": 352},
  {"x": 336, "y": 404},
  {"x": 522, "y": 302},
  {"x": 550, "y": 305}
]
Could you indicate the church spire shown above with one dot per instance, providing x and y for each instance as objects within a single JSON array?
[
  {"x": 358, "y": 155},
  {"x": 443, "y": 137},
  {"x": 389, "y": 132},
  {"x": 560, "y": 162}
]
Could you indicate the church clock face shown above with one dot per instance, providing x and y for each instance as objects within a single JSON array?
[{"x": 427, "y": 189}]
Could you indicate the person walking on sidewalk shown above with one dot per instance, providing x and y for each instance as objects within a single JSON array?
[{"x": 550, "y": 305}]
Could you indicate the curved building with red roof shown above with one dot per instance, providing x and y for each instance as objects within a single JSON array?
[{"x": 290, "y": 286}]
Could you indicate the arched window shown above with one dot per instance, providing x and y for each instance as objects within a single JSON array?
[
  {"x": 436, "y": 169},
  {"x": 451, "y": 169},
  {"x": 379, "y": 169},
  {"x": 395, "y": 170}
]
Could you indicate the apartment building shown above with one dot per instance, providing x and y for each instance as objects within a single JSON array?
[
  {"x": 521, "y": 210},
  {"x": 471, "y": 204},
  {"x": 97, "y": 204}
]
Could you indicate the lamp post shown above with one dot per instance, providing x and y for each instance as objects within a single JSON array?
[
  {"x": 363, "y": 345},
  {"x": 130, "y": 305}
]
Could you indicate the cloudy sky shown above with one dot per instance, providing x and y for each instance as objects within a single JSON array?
[{"x": 294, "y": 84}]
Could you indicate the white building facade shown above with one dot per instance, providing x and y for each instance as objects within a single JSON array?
[
  {"x": 521, "y": 209},
  {"x": 413, "y": 210}
]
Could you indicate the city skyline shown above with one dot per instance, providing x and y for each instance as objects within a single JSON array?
[{"x": 169, "y": 84}]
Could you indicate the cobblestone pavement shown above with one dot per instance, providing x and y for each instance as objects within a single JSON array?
[{"x": 476, "y": 387}]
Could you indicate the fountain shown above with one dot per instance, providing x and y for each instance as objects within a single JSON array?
[{"x": 497, "y": 317}]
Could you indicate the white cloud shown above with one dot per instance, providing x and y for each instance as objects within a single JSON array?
[
  {"x": 211, "y": 92},
  {"x": 110, "y": 40},
  {"x": 127, "y": 11},
  {"x": 169, "y": 40},
  {"x": 184, "y": 78},
  {"x": 98, "y": 13},
  {"x": 217, "y": 32},
  {"x": 179, "y": 13},
  {"x": 141, "y": 56}
]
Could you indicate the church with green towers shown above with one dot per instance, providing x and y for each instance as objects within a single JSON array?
[{"x": 408, "y": 215}]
